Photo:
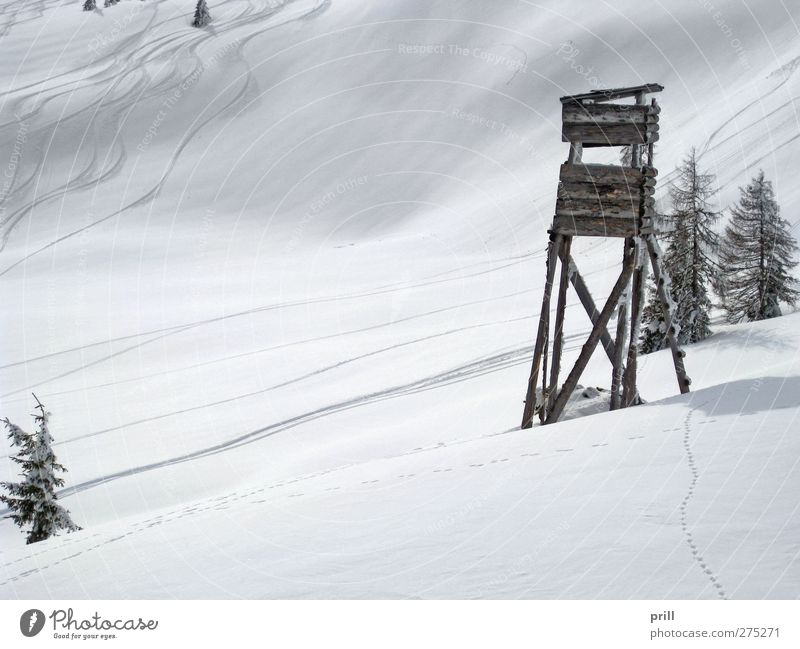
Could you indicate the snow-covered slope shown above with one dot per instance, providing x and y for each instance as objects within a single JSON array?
[
  {"x": 688, "y": 497},
  {"x": 277, "y": 282}
]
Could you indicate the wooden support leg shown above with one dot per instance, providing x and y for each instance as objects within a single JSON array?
[
  {"x": 663, "y": 293},
  {"x": 619, "y": 342},
  {"x": 594, "y": 337},
  {"x": 630, "y": 393},
  {"x": 558, "y": 335},
  {"x": 588, "y": 303},
  {"x": 541, "y": 335},
  {"x": 545, "y": 347}
]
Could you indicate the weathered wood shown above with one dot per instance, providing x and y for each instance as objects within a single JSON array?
[
  {"x": 558, "y": 334},
  {"x": 652, "y": 122},
  {"x": 661, "y": 287},
  {"x": 603, "y": 200},
  {"x": 619, "y": 341},
  {"x": 545, "y": 347},
  {"x": 636, "y": 155},
  {"x": 585, "y": 296},
  {"x": 530, "y": 395},
  {"x": 616, "y": 366},
  {"x": 594, "y": 337},
  {"x": 609, "y": 135},
  {"x": 595, "y": 209},
  {"x": 613, "y": 206},
  {"x": 575, "y": 153},
  {"x": 598, "y": 174},
  {"x": 602, "y": 191},
  {"x": 597, "y": 226},
  {"x": 655, "y": 109},
  {"x": 605, "y": 114},
  {"x": 630, "y": 393},
  {"x": 614, "y": 93}
]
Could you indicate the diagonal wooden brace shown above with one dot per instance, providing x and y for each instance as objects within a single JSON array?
[
  {"x": 594, "y": 337},
  {"x": 587, "y": 301}
]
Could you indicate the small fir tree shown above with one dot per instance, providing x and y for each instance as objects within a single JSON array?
[
  {"x": 201, "y": 14},
  {"x": 688, "y": 260},
  {"x": 33, "y": 501},
  {"x": 90, "y": 5},
  {"x": 653, "y": 330},
  {"x": 757, "y": 256}
]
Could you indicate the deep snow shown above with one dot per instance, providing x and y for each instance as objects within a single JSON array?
[{"x": 277, "y": 281}]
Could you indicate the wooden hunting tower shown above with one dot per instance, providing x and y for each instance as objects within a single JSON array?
[{"x": 596, "y": 200}]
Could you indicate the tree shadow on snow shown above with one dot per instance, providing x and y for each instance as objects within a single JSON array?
[
  {"x": 768, "y": 339},
  {"x": 746, "y": 396}
]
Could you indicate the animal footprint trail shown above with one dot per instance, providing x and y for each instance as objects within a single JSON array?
[
  {"x": 696, "y": 555},
  {"x": 219, "y": 503}
]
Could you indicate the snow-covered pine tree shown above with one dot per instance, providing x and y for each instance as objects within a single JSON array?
[
  {"x": 653, "y": 330},
  {"x": 688, "y": 259},
  {"x": 201, "y": 14},
  {"x": 33, "y": 501},
  {"x": 90, "y": 5},
  {"x": 109, "y": 3},
  {"x": 757, "y": 256}
]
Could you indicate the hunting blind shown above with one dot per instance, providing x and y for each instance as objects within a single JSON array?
[{"x": 596, "y": 200}]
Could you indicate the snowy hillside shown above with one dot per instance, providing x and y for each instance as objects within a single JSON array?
[{"x": 277, "y": 280}]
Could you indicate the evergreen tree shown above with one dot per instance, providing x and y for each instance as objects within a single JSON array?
[
  {"x": 757, "y": 256},
  {"x": 90, "y": 5},
  {"x": 688, "y": 260},
  {"x": 201, "y": 14},
  {"x": 653, "y": 336},
  {"x": 108, "y": 3},
  {"x": 33, "y": 501}
]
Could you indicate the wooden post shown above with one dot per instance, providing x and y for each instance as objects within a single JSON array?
[
  {"x": 544, "y": 322},
  {"x": 558, "y": 339},
  {"x": 588, "y": 304},
  {"x": 661, "y": 285},
  {"x": 630, "y": 393},
  {"x": 594, "y": 337},
  {"x": 636, "y": 149},
  {"x": 575, "y": 153},
  {"x": 619, "y": 342},
  {"x": 545, "y": 347},
  {"x": 654, "y": 107}
]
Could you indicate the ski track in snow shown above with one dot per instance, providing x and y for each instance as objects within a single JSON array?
[
  {"x": 255, "y": 496},
  {"x": 173, "y": 329},
  {"x": 292, "y": 488},
  {"x": 464, "y": 372},
  {"x": 182, "y": 328},
  {"x": 168, "y": 51},
  {"x": 713, "y": 144}
]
